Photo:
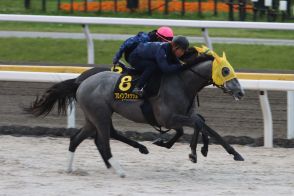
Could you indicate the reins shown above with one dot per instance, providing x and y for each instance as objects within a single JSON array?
[{"x": 210, "y": 81}]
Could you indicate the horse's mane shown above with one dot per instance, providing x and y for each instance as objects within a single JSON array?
[{"x": 192, "y": 57}]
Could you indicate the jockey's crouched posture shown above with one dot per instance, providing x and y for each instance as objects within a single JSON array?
[
  {"x": 162, "y": 34},
  {"x": 150, "y": 56}
]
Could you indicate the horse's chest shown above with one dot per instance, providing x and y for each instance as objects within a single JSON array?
[{"x": 164, "y": 109}]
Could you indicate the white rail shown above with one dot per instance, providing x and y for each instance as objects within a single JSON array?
[
  {"x": 262, "y": 85},
  {"x": 146, "y": 22}
]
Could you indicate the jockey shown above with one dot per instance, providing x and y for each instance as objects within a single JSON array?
[
  {"x": 147, "y": 57},
  {"x": 162, "y": 34}
]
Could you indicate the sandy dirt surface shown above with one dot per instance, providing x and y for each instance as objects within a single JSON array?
[{"x": 36, "y": 166}]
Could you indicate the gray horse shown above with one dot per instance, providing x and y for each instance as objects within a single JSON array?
[{"x": 173, "y": 106}]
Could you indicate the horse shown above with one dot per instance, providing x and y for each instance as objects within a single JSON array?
[{"x": 173, "y": 106}]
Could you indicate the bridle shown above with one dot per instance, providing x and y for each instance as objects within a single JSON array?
[{"x": 210, "y": 81}]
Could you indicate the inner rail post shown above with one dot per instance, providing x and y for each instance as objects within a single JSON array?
[
  {"x": 290, "y": 115},
  {"x": 207, "y": 38},
  {"x": 71, "y": 115},
  {"x": 267, "y": 119},
  {"x": 90, "y": 44}
]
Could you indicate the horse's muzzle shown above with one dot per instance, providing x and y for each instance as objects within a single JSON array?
[{"x": 234, "y": 88}]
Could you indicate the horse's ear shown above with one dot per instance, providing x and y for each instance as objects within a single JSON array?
[
  {"x": 216, "y": 57},
  {"x": 203, "y": 49},
  {"x": 224, "y": 56},
  {"x": 199, "y": 50}
]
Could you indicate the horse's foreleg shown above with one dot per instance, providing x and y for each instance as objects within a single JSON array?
[
  {"x": 205, "y": 139},
  {"x": 227, "y": 147},
  {"x": 193, "y": 146},
  {"x": 115, "y": 135},
  {"x": 172, "y": 141},
  {"x": 195, "y": 122},
  {"x": 204, "y": 149}
]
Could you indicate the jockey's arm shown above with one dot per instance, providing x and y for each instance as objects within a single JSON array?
[
  {"x": 165, "y": 67},
  {"x": 122, "y": 49},
  {"x": 140, "y": 37}
]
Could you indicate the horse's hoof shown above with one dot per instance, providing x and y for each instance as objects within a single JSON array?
[
  {"x": 193, "y": 158},
  {"x": 204, "y": 151},
  {"x": 238, "y": 157},
  {"x": 159, "y": 142},
  {"x": 122, "y": 175},
  {"x": 69, "y": 170},
  {"x": 143, "y": 150}
]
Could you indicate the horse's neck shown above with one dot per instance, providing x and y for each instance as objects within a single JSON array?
[
  {"x": 178, "y": 91},
  {"x": 197, "y": 77}
]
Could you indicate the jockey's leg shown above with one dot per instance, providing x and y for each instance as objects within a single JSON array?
[
  {"x": 150, "y": 67},
  {"x": 147, "y": 67}
]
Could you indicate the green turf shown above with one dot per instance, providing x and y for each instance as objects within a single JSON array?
[{"x": 66, "y": 51}]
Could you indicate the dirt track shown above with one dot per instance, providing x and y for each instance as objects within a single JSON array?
[
  {"x": 228, "y": 117},
  {"x": 36, "y": 166}
]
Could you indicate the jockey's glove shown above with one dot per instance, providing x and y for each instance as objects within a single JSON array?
[{"x": 115, "y": 60}]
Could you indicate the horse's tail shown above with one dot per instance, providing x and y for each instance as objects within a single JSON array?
[{"x": 61, "y": 93}]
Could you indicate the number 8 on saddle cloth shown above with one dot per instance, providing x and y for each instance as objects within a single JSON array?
[{"x": 127, "y": 82}]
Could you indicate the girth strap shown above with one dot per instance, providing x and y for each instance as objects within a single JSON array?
[{"x": 149, "y": 116}]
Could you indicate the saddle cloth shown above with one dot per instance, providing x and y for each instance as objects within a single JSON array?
[
  {"x": 124, "y": 87},
  {"x": 128, "y": 80}
]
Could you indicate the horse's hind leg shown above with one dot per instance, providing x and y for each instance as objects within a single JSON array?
[
  {"x": 102, "y": 122},
  {"x": 85, "y": 132},
  {"x": 115, "y": 135}
]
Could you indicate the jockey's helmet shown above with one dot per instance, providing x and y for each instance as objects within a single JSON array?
[
  {"x": 181, "y": 42},
  {"x": 166, "y": 34}
]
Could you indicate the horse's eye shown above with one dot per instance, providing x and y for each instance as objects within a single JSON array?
[{"x": 225, "y": 71}]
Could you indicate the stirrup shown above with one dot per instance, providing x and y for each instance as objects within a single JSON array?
[{"x": 138, "y": 91}]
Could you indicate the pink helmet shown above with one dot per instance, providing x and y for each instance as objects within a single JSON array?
[{"x": 166, "y": 34}]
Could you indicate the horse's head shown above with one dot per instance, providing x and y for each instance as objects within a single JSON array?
[{"x": 224, "y": 76}]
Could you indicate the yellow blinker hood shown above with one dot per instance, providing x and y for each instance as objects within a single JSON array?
[{"x": 218, "y": 65}]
